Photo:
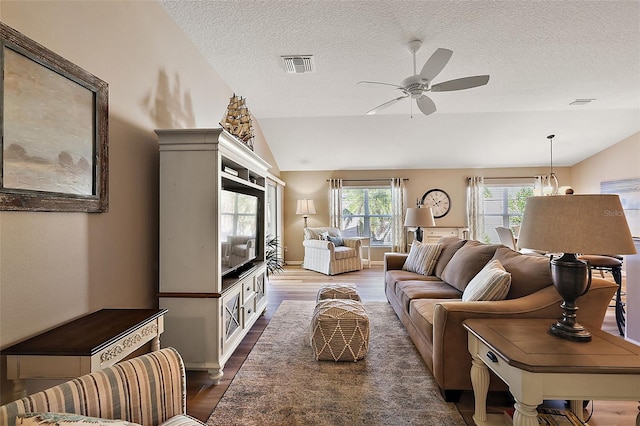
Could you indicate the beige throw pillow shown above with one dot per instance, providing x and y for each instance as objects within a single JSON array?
[
  {"x": 422, "y": 258},
  {"x": 491, "y": 283}
]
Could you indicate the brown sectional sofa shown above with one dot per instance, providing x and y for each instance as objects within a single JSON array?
[{"x": 432, "y": 311}]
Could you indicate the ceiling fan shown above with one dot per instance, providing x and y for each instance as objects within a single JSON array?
[{"x": 417, "y": 85}]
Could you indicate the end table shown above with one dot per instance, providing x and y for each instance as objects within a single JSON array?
[{"x": 537, "y": 365}]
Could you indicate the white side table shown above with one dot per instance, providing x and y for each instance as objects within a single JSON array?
[
  {"x": 366, "y": 242},
  {"x": 537, "y": 366}
]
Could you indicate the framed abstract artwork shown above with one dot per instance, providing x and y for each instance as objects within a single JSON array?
[{"x": 54, "y": 129}]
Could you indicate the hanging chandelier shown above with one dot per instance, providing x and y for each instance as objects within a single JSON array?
[{"x": 550, "y": 183}]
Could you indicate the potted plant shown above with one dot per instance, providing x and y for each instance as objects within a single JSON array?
[{"x": 275, "y": 263}]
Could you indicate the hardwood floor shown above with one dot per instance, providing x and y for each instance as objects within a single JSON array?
[{"x": 300, "y": 284}]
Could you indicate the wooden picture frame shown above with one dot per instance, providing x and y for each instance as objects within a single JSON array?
[{"x": 54, "y": 130}]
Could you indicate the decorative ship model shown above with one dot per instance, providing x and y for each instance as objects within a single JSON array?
[{"x": 237, "y": 121}]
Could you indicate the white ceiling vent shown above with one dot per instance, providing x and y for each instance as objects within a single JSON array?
[
  {"x": 582, "y": 101},
  {"x": 298, "y": 64}
]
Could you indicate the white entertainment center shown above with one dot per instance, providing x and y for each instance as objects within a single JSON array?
[{"x": 208, "y": 313}]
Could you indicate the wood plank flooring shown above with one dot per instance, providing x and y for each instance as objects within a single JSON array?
[{"x": 300, "y": 284}]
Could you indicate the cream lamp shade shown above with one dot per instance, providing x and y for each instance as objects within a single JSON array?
[
  {"x": 587, "y": 224},
  {"x": 305, "y": 208},
  {"x": 419, "y": 218},
  {"x": 570, "y": 224}
]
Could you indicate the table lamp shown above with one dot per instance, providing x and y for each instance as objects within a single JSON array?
[
  {"x": 305, "y": 208},
  {"x": 420, "y": 217},
  {"x": 570, "y": 224}
]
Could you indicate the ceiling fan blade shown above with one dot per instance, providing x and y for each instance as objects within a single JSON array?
[
  {"x": 377, "y": 82},
  {"x": 461, "y": 83},
  {"x": 426, "y": 105},
  {"x": 385, "y": 105},
  {"x": 435, "y": 64}
]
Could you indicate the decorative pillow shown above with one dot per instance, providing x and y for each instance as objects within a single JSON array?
[
  {"x": 66, "y": 419},
  {"x": 422, "y": 258},
  {"x": 324, "y": 236},
  {"x": 528, "y": 273},
  {"x": 450, "y": 245},
  {"x": 491, "y": 283},
  {"x": 467, "y": 262},
  {"x": 337, "y": 241}
]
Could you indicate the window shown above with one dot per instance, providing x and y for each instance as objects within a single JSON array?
[
  {"x": 366, "y": 212},
  {"x": 503, "y": 206}
]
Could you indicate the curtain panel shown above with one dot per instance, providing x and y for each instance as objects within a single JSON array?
[
  {"x": 475, "y": 206},
  {"x": 335, "y": 203},
  {"x": 398, "y": 209}
]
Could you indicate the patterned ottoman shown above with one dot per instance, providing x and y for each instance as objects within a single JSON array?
[
  {"x": 339, "y": 330},
  {"x": 338, "y": 291}
]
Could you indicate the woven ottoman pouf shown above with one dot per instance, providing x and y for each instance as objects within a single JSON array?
[
  {"x": 337, "y": 291},
  {"x": 339, "y": 330}
]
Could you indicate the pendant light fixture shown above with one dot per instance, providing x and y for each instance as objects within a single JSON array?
[{"x": 550, "y": 183}]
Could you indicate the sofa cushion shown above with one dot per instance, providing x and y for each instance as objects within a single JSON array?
[
  {"x": 421, "y": 313},
  {"x": 491, "y": 283},
  {"x": 467, "y": 262},
  {"x": 406, "y": 291},
  {"x": 422, "y": 258},
  {"x": 343, "y": 252},
  {"x": 450, "y": 245},
  {"x": 528, "y": 273},
  {"x": 394, "y": 276}
]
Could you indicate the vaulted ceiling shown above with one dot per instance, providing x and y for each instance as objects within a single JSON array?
[{"x": 541, "y": 56}]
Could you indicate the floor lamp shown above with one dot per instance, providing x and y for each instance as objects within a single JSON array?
[
  {"x": 420, "y": 218},
  {"x": 305, "y": 208},
  {"x": 570, "y": 224}
]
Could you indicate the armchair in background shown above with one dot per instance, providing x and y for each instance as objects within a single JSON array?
[{"x": 325, "y": 251}]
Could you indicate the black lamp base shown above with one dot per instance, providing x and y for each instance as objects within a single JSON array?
[
  {"x": 575, "y": 332},
  {"x": 418, "y": 234},
  {"x": 572, "y": 279}
]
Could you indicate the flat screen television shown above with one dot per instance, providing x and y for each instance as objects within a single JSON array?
[{"x": 239, "y": 229}]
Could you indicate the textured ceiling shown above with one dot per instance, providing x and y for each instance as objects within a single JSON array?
[{"x": 541, "y": 55}]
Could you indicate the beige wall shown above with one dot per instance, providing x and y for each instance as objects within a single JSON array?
[
  {"x": 57, "y": 266},
  {"x": 620, "y": 161},
  {"x": 454, "y": 181}
]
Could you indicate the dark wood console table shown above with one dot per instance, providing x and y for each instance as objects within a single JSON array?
[{"x": 84, "y": 345}]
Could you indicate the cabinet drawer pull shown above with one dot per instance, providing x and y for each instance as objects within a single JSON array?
[{"x": 492, "y": 356}]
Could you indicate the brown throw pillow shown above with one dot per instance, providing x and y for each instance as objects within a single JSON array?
[
  {"x": 467, "y": 262},
  {"x": 450, "y": 245},
  {"x": 529, "y": 273}
]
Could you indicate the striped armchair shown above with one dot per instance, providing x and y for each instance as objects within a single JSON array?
[
  {"x": 321, "y": 254},
  {"x": 146, "y": 390}
]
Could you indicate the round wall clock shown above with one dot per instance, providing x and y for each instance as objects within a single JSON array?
[{"x": 438, "y": 200}]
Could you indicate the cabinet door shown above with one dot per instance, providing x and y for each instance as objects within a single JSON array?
[
  {"x": 231, "y": 317},
  {"x": 260, "y": 287}
]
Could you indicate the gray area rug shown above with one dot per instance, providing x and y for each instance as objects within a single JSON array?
[{"x": 280, "y": 383}]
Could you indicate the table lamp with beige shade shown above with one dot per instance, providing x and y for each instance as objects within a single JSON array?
[
  {"x": 305, "y": 207},
  {"x": 419, "y": 217},
  {"x": 570, "y": 224}
]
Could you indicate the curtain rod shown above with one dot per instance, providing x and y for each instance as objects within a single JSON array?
[
  {"x": 508, "y": 177},
  {"x": 367, "y": 180}
]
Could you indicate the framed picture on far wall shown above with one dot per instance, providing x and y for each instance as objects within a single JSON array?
[
  {"x": 629, "y": 192},
  {"x": 54, "y": 129}
]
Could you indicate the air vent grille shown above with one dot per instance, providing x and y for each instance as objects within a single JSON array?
[
  {"x": 583, "y": 101},
  {"x": 298, "y": 64}
]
